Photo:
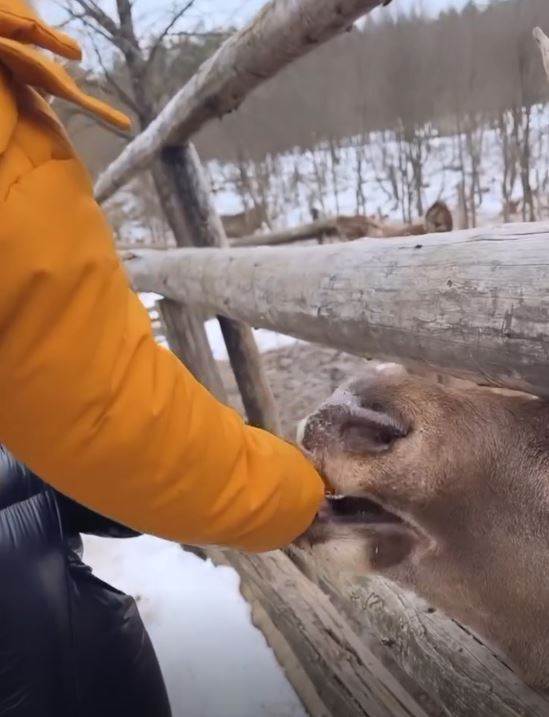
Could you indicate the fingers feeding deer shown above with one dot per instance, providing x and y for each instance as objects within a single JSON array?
[{"x": 445, "y": 492}]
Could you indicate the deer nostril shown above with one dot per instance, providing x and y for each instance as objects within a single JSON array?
[
  {"x": 321, "y": 428},
  {"x": 310, "y": 435}
]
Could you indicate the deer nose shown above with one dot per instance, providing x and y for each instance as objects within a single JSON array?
[
  {"x": 325, "y": 426},
  {"x": 321, "y": 428}
]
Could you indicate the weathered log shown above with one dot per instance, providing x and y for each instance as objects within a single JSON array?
[
  {"x": 123, "y": 246},
  {"x": 204, "y": 226},
  {"x": 253, "y": 384},
  {"x": 371, "y": 642},
  {"x": 463, "y": 676},
  {"x": 472, "y": 303},
  {"x": 343, "y": 227},
  {"x": 332, "y": 669},
  {"x": 280, "y": 33}
]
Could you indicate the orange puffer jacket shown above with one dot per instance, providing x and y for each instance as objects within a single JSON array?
[{"x": 87, "y": 399}]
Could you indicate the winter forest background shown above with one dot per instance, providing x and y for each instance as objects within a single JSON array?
[{"x": 401, "y": 111}]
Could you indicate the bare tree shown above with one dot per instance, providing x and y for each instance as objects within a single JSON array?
[{"x": 138, "y": 58}]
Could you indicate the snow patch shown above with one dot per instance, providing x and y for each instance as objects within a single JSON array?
[
  {"x": 214, "y": 661},
  {"x": 266, "y": 340}
]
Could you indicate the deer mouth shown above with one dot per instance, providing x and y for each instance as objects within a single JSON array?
[{"x": 356, "y": 510}]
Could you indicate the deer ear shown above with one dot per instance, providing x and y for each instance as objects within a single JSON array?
[{"x": 368, "y": 431}]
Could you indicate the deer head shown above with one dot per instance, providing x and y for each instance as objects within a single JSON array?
[
  {"x": 446, "y": 492},
  {"x": 438, "y": 218}
]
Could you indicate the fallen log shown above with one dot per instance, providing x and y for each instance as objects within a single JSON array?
[
  {"x": 474, "y": 304},
  {"x": 459, "y": 673},
  {"x": 279, "y": 34},
  {"x": 188, "y": 340},
  {"x": 312, "y": 230}
]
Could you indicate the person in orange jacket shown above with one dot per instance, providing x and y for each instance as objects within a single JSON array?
[{"x": 84, "y": 389}]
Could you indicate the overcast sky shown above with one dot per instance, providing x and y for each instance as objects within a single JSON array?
[{"x": 216, "y": 13}]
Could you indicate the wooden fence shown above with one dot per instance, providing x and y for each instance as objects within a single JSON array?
[{"x": 474, "y": 304}]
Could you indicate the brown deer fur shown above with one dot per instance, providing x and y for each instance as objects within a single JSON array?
[
  {"x": 463, "y": 478},
  {"x": 437, "y": 219},
  {"x": 245, "y": 223}
]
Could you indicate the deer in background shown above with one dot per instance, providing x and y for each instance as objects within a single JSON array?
[
  {"x": 246, "y": 222},
  {"x": 437, "y": 219}
]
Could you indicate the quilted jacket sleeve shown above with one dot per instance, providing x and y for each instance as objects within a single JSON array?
[{"x": 88, "y": 400}]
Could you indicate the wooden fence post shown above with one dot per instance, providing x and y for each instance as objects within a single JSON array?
[
  {"x": 185, "y": 330},
  {"x": 333, "y": 670},
  {"x": 190, "y": 191}
]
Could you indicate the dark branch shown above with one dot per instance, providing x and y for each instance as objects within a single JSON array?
[
  {"x": 158, "y": 41},
  {"x": 201, "y": 33},
  {"x": 127, "y": 29},
  {"x": 120, "y": 92},
  {"x": 89, "y": 23},
  {"x": 92, "y": 9},
  {"x": 132, "y": 50},
  {"x": 102, "y": 24}
]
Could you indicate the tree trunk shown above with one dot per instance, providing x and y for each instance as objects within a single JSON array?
[{"x": 189, "y": 189}]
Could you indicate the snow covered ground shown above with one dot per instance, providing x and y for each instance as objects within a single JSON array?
[
  {"x": 215, "y": 662},
  {"x": 266, "y": 340}
]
